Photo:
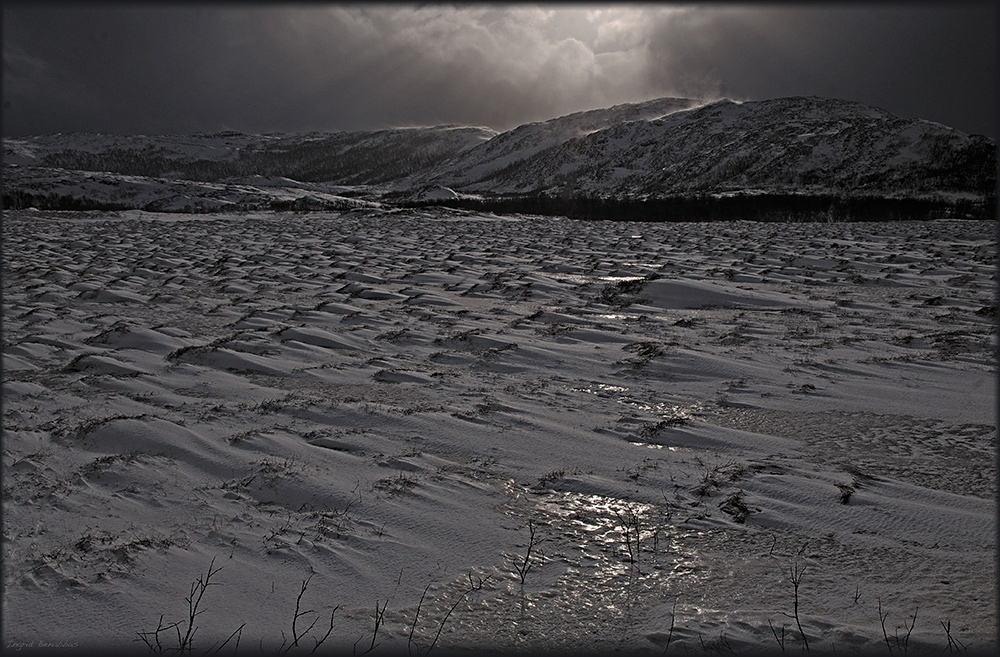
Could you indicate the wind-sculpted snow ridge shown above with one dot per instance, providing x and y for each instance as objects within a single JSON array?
[
  {"x": 436, "y": 431},
  {"x": 670, "y": 158}
]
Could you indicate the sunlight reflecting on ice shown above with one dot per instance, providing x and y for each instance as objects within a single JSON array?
[{"x": 599, "y": 559}]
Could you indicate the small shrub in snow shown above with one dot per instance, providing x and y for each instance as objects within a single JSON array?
[
  {"x": 736, "y": 507},
  {"x": 523, "y": 565},
  {"x": 184, "y": 629}
]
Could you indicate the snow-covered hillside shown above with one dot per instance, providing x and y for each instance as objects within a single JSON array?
[
  {"x": 26, "y": 186},
  {"x": 669, "y": 148},
  {"x": 505, "y": 152},
  {"x": 350, "y": 157},
  {"x": 801, "y": 145}
]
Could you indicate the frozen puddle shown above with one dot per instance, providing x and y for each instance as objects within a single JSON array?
[{"x": 609, "y": 575}]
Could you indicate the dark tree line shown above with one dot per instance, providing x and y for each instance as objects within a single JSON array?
[
  {"x": 19, "y": 200},
  {"x": 762, "y": 207}
]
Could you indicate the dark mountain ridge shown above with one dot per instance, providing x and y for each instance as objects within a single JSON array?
[{"x": 662, "y": 159}]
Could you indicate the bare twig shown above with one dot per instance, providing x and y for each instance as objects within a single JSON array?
[
  {"x": 198, "y": 589},
  {"x": 904, "y": 642},
  {"x": 473, "y": 586},
  {"x": 631, "y": 530},
  {"x": 320, "y": 640},
  {"x": 185, "y": 641},
  {"x": 413, "y": 626},
  {"x": 153, "y": 637},
  {"x": 881, "y": 619},
  {"x": 670, "y": 632},
  {"x": 953, "y": 643},
  {"x": 379, "y": 616},
  {"x": 238, "y": 634},
  {"x": 298, "y": 614},
  {"x": 947, "y": 631},
  {"x": 781, "y": 640},
  {"x": 796, "y": 578},
  {"x": 524, "y": 565}
]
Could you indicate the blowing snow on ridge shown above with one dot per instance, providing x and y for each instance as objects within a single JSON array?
[{"x": 806, "y": 152}]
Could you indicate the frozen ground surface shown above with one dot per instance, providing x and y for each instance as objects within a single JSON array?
[{"x": 388, "y": 406}]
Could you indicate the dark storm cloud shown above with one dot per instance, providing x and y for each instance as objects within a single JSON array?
[
  {"x": 123, "y": 69},
  {"x": 918, "y": 61},
  {"x": 175, "y": 69},
  {"x": 143, "y": 69}
]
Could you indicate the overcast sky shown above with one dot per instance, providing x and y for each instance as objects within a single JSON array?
[{"x": 173, "y": 69}]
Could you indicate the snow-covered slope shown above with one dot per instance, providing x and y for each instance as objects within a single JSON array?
[
  {"x": 220, "y": 171},
  {"x": 348, "y": 157},
  {"x": 499, "y": 435},
  {"x": 667, "y": 148},
  {"x": 787, "y": 145},
  {"x": 47, "y": 187},
  {"x": 508, "y": 150}
]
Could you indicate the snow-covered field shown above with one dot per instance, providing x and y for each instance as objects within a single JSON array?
[{"x": 453, "y": 431}]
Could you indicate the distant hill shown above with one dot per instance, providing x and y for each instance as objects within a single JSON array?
[{"x": 670, "y": 158}]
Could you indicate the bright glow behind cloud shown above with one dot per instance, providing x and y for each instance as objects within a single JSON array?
[{"x": 258, "y": 68}]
